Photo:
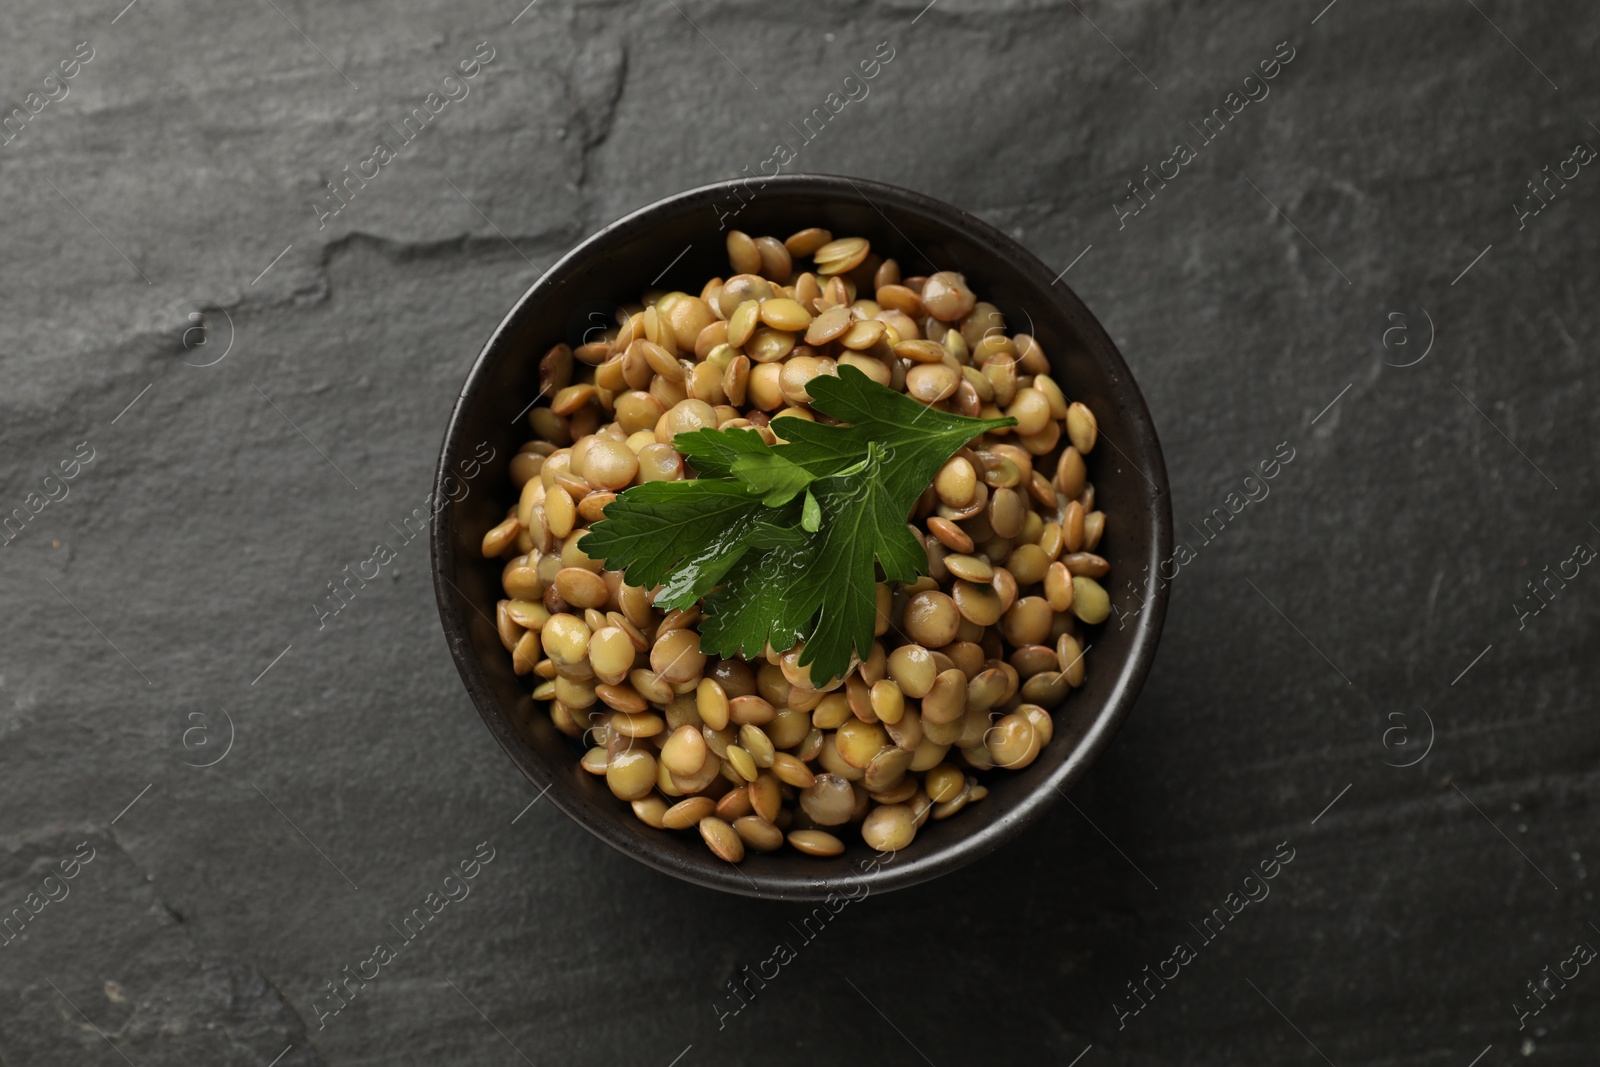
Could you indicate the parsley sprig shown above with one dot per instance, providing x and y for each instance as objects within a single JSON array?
[{"x": 778, "y": 542}]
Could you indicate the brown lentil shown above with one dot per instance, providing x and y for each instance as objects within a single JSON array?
[
  {"x": 758, "y": 833},
  {"x": 782, "y": 313},
  {"x": 946, "y": 296},
  {"x": 735, "y": 804},
  {"x": 1013, "y": 742},
  {"x": 687, "y": 813},
  {"x": 835, "y": 709},
  {"x": 758, "y": 744},
  {"x": 912, "y": 667},
  {"x": 828, "y": 800},
  {"x": 931, "y": 382},
  {"x": 807, "y": 241},
  {"x": 828, "y": 326},
  {"x": 1094, "y": 525},
  {"x": 776, "y": 262},
  {"x": 889, "y": 827},
  {"x": 887, "y": 769},
  {"x": 650, "y": 811},
  {"x": 956, "y": 482},
  {"x": 944, "y": 783},
  {"x": 791, "y": 770},
  {"x": 581, "y": 588},
  {"x": 1058, "y": 586},
  {"x": 629, "y": 724},
  {"x": 722, "y": 839},
  {"x": 685, "y": 751},
  {"x": 631, "y": 774},
  {"x": 857, "y": 742},
  {"x": 742, "y": 762},
  {"x": 978, "y": 604},
  {"x": 766, "y": 796},
  {"x": 950, "y": 807},
  {"x": 1089, "y": 600},
  {"x": 1082, "y": 428},
  {"x": 898, "y": 794},
  {"x": 837, "y": 257},
  {"x": 863, "y": 334},
  {"x": 815, "y": 842},
  {"x": 887, "y": 701},
  {"x": 947, "y": 699},
  {"x": 751, "y": 710},
  {"x": 565, "y": 638},
  {"x": 949, "y": 534},
  {"x": 742, "y": 252},
  {"x": 931, "y": 619},
  {"x": 1071, "y": 473}
]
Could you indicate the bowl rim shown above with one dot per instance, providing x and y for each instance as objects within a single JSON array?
[{"x": 891, "y": 874}]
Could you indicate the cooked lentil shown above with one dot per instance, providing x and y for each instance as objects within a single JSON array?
[{"x": 967, "y": 661}]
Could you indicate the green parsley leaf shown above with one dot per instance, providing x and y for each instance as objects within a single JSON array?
[
  {"x": 712, "y": 452},
  {"x": 811, "y": 514},
  {"x": 765, "y": 570},
  {"x": 654, "y": 529},
  {"x": 696, "y": 576},
  {"x": 866, "y": 521},
  {"x": 777, "y": 478},
  {"x": 770, "y": 598}
]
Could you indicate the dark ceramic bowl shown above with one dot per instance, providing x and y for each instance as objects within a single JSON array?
[{"x": 679, "y": 242}]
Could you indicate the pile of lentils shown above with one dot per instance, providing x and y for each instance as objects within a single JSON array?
[{"x": 966, "y": 662}]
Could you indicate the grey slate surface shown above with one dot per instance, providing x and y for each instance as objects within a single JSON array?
[{"x": 171, "y": 590}]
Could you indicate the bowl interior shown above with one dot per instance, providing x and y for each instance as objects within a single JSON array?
[{"x": 679, "y": 243}]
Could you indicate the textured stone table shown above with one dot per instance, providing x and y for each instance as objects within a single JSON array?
[{"x": 1346, "y": 262}]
